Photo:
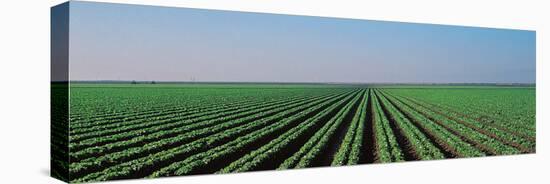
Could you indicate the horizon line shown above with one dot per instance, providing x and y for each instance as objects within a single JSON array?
[{"x": 303, "y": 82}]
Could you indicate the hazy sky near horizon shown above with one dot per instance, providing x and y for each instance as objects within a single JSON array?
[{"x": 133, "y": 42}]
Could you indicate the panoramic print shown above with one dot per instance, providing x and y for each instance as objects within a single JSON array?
[{"x": 147, "y": 91}]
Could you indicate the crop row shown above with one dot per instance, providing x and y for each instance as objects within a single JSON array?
[
  {"x": 349, "y": 152},
  {"x": 503, "y": 142},
  {"x": 153, "y": 124},
  {"x": 162, "y": 138},
  {"x": 166, "y": 156}
]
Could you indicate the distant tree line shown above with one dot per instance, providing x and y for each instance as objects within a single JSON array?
[{"x": 152, "y": 82}]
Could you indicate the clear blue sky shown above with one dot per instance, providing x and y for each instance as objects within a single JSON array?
[{"x": 131, "y": 42}]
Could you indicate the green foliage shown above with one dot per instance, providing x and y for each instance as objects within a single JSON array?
[
  {"x": 143, "y": 130},
  {"x": 349, "y": 150}
]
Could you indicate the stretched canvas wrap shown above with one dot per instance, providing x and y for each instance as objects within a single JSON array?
[{"x": 145, "y": 92}]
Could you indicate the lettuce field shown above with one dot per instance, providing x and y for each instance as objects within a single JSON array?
[{"x": 119, "y": 131}]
